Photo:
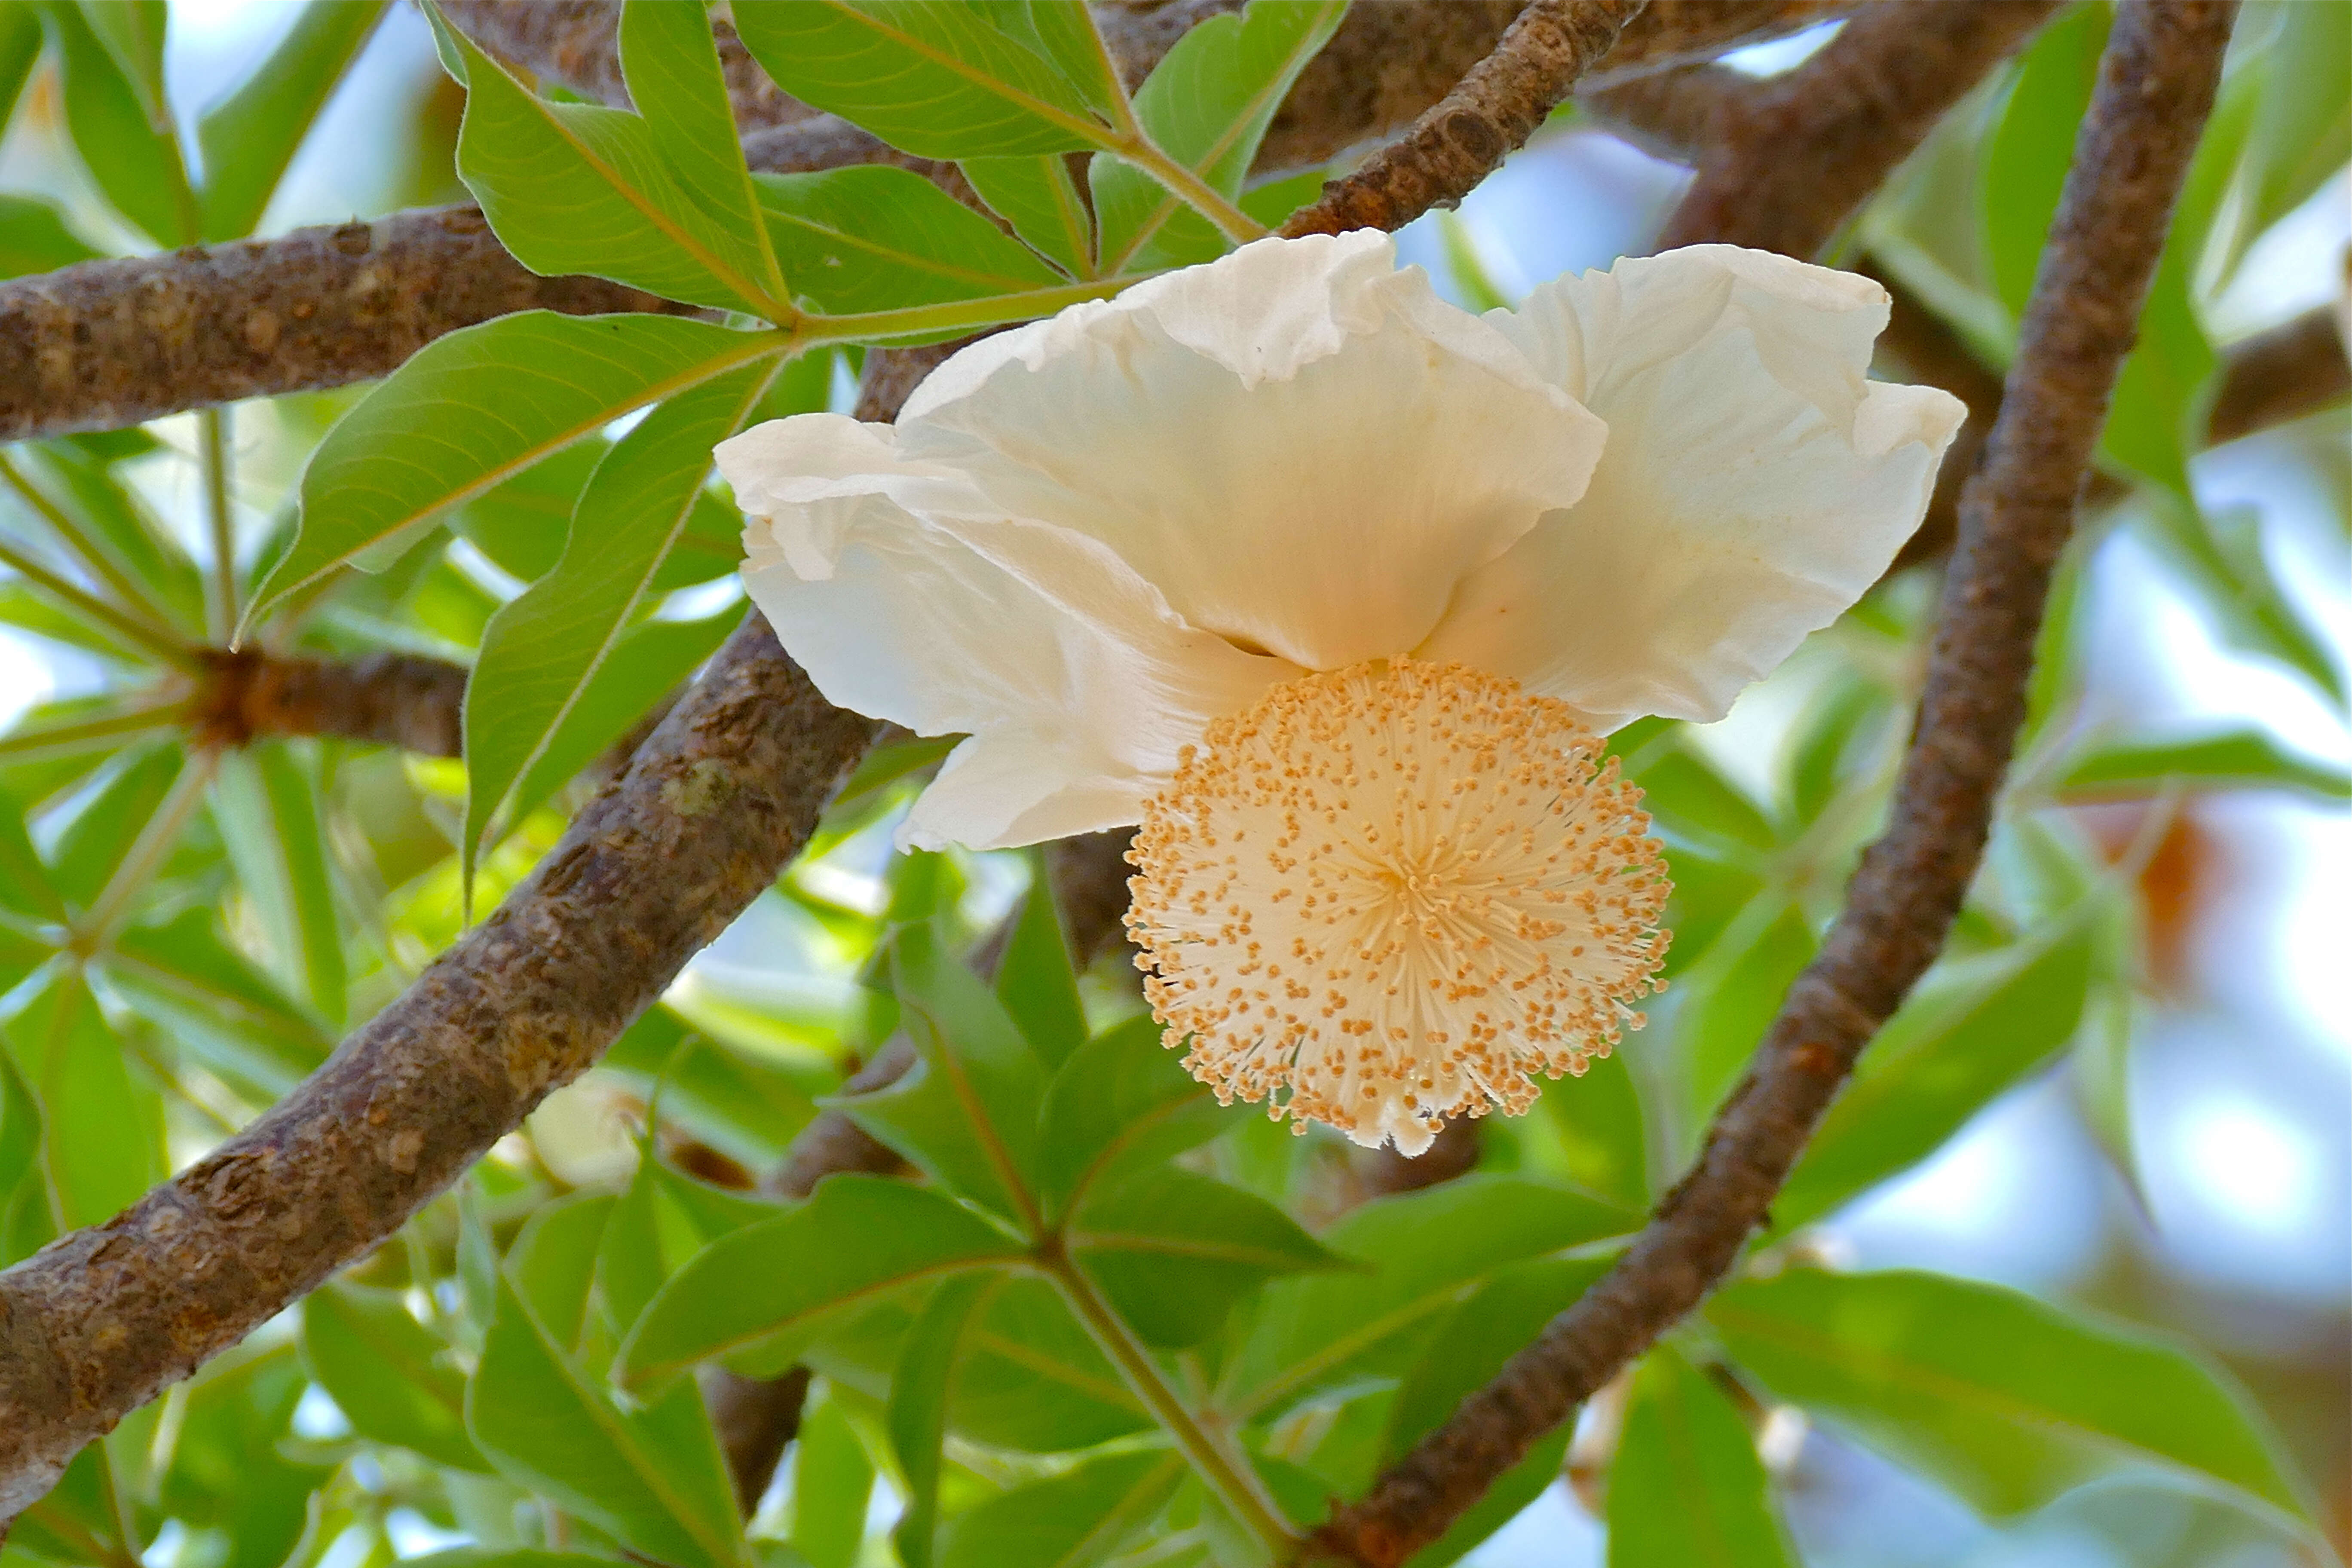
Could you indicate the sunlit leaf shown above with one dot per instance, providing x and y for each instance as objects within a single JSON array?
[
  {"x": 1687, "y": 1486},
  {"x": 250, "y": 136}
]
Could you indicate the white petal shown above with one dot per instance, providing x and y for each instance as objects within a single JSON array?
[
  {"x": 1077, "y": 683},
  {"x": 1303, "y": 448},
  {"x": 1754, "y": 485}
]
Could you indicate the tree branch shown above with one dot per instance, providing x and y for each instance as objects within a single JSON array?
[
  {"x": 388, "y": 699},
  {"x": 1787, "y": 164},
  {"x": 724, "y": 793},
  {"x": 1488, "y": 115},
  {"x": 2156, "y": 87},
  {"x": 104, "y": 344},
  {"x": 575, "y": 42}
]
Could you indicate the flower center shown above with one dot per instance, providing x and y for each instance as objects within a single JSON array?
[{"x": 1395, "y": 892}]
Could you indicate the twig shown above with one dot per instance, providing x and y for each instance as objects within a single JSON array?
[
  {"x": 1490, "y": 113},
  {"x": 2156, "y": 87},
  {"x": 1788, "y": 165},
  {"x": 2279, "y": 375},
  {"x": 717, "y": 800}
]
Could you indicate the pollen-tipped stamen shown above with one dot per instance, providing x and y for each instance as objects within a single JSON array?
[{"x": 1392, "y": 893}]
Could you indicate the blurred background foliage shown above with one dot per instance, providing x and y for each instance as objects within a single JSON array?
[{"x": 2066, "y": 1279}]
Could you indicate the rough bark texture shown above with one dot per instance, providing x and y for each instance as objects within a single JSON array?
[
  {"x": 104, "y": 344},
  {"x": 1490, "y": 114},
  {"x": 724, "y": 793},
  {"x": 1789, "y": 163},
  {"x": 388, "y": 699},
  {"x": 2155, "y": 86}
]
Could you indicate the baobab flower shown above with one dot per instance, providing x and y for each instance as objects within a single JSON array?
[{"x": 1334, "y": 589}]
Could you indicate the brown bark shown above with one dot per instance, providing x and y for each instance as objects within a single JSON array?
[
  {"x": 725, "y": 792},
  {"x": 1488, "y": 115},
  {"x": 388, "y": 699},
  {"x": 1789, "y": 163},
  {"x": 2156, "y": 87},
  {"x": 2292, "y": 370}
]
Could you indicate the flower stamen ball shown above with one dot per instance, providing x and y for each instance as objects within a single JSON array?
[{"x": 1395, "y": 892}]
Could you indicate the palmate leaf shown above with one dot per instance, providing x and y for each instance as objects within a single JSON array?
[
  {"x": 1424, "y": 1253},
  {"x": 105, "y": 1143},
  {"x": 219, "y": 1007},
  {"x": 1035, "y": 983},
  {"x": 266, "y": 806},
  {"x": 577, "y": 187},
  {"x": 763, "y": 1288},
  {"x": 1174, "y": 1250},
  {"x": 1207, "y": 106},
  {"x": 2006, "y": 1400},
  {"x": 875, "y": 239},
  {"x": 670, "y": 61},
  {"x": 474, "y": 408},
  {"x": 1123, "y": 1102},
  {"x": 1687, "y": 1486},
  {"x": 833, "y": 1477},
  {"x": 1037, "y": 196},
  {"x": 250, "y": 136},
  {"x": 542, "y": 651},
  {"x": 652, "y": 1476},
  {"x": 34, "y": 238},
  {"x": 938, "y": 81}
]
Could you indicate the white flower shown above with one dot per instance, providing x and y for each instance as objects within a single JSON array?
[{"x": 1333, "y": 587}]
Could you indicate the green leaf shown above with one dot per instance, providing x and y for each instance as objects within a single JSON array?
[
  {"x": 1174, "y": 1249},
  {"x": 542, "y": 651},
  {"x": 1694, "y": 804},
  {"x": 132, "y": 34},
  {"x": 2026, "y": 158},
  {"x": 249, "y": 137},
  {"x": 552, "y": 1265},
  {"x": 762, "y": 1287},
  {"x": 1081, "y": 1515},
  {"x": 1035, "y": 983},
  {"x": 131, "y": 155},
  {"x": 653, "y": 1477},
  {"x": 471, "y": 409},
  {"x": 917, "y": 1413},
  {"x": 1465, "y": 1355},
  {"x": 1975, "y": 1026},
  {"x": 652, "y": 660},
  {"x": 578, "y": 187},
  {"x": 2231, "y": 759},
  {"x": 1038, "y": 197},
  {"x": 670, "y": 61},
  {"x": 20, "y": 1135},
  {"x": 267, "y": 812},
  {"x": 1207, "y": 106},
  {"x": 25, "y": 885},
  {"x": 832, "y": 1478},
  {"x": 236, "y": 1471},
  {"x": 1028, "y": 1377},
  {"x": 20, "y": 51},
  {"x": 1688, "y": 1487},
  {"x": 102, "y": 832},
  {"x": 222, "y": 1010},
  {"x": 1598, "y": 1120},
  {"x": 2302, "y": 129},
  {"x": 2002, "y": 1398},
  {"x": 968, "y": 1112},
  {"x": 2220, "y": 560},
  {"x": 1730, "y": 999},
  {"x": 390, "y": 1375},
  {"x": 874, "y": 237},
  {"x": 34, "y": 236},
  {"x": 1121, "y": 1101},
  {"x": 105, "y": 1143},
  {"x": 1427, "y": 1251},
  {"x": 938, "y": 81}
]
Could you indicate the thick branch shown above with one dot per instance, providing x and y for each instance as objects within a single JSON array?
[
  {"x": 2155, "y": 86},
  {"x": 1490, "y": 113},
  {"x": 1787, "y": 164},
  {"x": 717, "y": 800},
  {"x": 388, "y": 699}
]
